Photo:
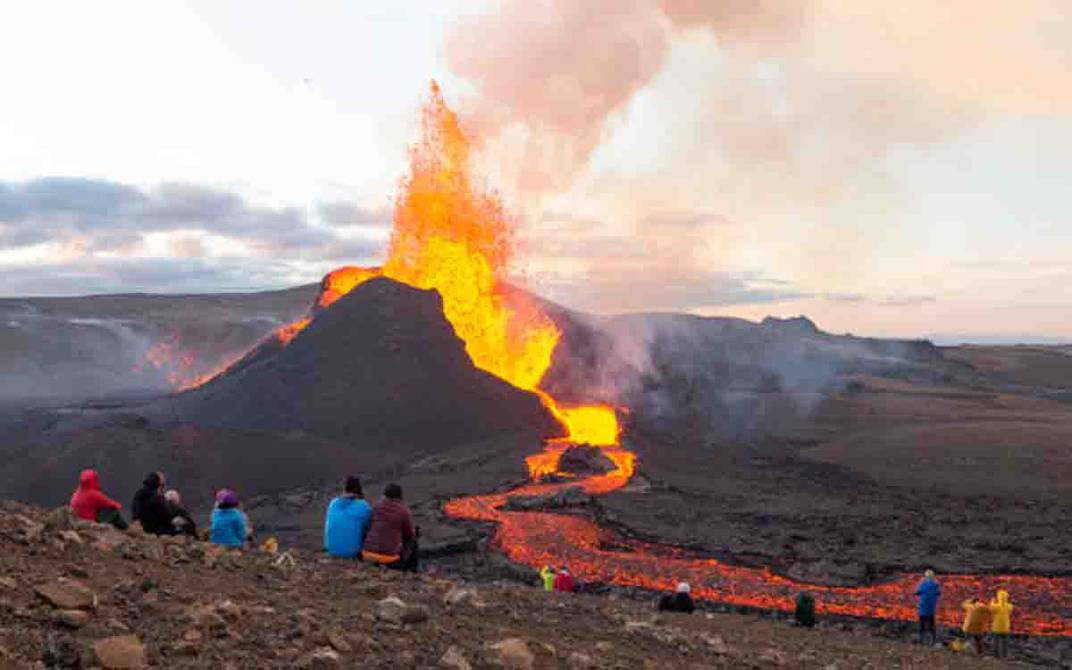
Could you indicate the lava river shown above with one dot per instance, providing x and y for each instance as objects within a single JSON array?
[{"x": 535, "y": 539}]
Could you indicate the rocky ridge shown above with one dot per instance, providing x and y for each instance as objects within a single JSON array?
[{"x": 81, "y": 595}]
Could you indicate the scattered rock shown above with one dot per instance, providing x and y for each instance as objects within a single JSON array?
[
  {"x": 458, "y": 596},
  {"x": 192, "y": 635},
  {"x": 71, "y": 536},
  {"x": 454, "y": 659},
  {"x": 30, "y": 530},
  {"x": 67, "y": 594},
  {"x": 59, "y": 519},
  {"x": 321, "y": 659},
  {"x": 390, "y": 609},
  {"x": 110, "y": 539},
  {"x": 229, "y": 610},
  {"x": 774, "y": 656},
  {"x": 121, "y": 652},
  {"x": 71, "y": 618},
  {"x": 579, "y": 661},
  {"x": 415, "y": 614},
  {"x": 8, "y": 583},
  {"x": 512, "y": 653}
]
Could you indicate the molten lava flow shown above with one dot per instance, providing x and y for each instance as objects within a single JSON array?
[
  {"x": 339, "y": 282},
  {"x": 181, "y": 367}
]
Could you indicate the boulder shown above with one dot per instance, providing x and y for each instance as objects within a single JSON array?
[
  {"x": 390, "y": 609},
  {"x": 121, "y": 652},
  {"x": 511, "y": 654},
  {"x": 71, "y": 618},
  {"x": 67, "y": 594},
  {"x": 579, "y": 661},
  {"x": 458, "y": 597}
]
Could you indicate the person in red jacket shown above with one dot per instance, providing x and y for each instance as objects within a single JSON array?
[
  {"x": 90, "y": 503},
  {"x": 564, "y": 581},
  {"x": 392, "y": 538}
]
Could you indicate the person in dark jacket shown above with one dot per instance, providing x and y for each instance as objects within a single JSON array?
[
  {"x": 392, "y": 538},
  {"x": 680, "y": 601},
  {"x": 150, "y": 508},
  {"x": 347, "y": 521},
  {"x": 804, "y": 612},
  {"x": 90, "y": 503},
  {"x": 929, "y": 592},
  {"x": 181, "y": 521}
]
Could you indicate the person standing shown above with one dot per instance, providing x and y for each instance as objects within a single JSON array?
[
  {"x": 976, "y": 622},
  {"x": 347, "y": 521},
  {"x": 929, "y": 592},
  {"x": 804, "y": 611},
  {"x": 564, "y": 581},
  {"x": 1001, "y": 623},
  {"x": 149, "y": 507}
]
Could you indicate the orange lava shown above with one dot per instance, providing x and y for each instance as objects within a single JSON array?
[
  {"x": 180, "y": 366},
  {"x": 1044, "y": 604}
]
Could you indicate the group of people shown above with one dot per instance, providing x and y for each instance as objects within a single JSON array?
[
  {"x": 557, "y": 581},
  {"x": 980, "y": 617},
  {"x": 384, "y": 534},
  {"x": 157, "y": 508}
]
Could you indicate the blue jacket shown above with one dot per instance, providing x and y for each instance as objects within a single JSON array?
[
  {"x": 928, "y": 592},
  {"x": 347, "y": 522},
  {"x": 228, "y": 527}
]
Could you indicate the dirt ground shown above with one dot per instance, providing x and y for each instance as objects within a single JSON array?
[{"x": 181, "y": 604}]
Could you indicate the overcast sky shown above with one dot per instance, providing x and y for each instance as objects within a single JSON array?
[{"x": 885, "y": 168}]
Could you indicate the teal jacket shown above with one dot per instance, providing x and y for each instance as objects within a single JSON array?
[
  {"x": 228, "y": 527},
  {"x": 345, "y": 526}
]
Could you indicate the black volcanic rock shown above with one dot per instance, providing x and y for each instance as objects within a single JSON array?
[{"x": 382, "y": 369}]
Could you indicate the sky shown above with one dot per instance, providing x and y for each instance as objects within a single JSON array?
[{"x": 888, "y": 169}]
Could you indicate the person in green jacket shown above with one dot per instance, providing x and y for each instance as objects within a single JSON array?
[{"x": 547, "y": 576}]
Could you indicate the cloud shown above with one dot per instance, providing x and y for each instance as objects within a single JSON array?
[
  {"x": 75, "y": 235},
  {"x": 348, "y": 214}
]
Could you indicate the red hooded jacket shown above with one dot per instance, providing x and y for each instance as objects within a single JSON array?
[
  {"x": 88, "y": 500},
  {"x": 564, "y": 582}
]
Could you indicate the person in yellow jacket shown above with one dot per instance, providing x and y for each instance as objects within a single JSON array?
[
  {"x": 976, "y": 622},
  {"x": 1001, "y": 623},
  {"x": 547, "y": 576}
]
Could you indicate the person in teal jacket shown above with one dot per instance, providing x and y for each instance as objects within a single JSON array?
[
  {"x": 347, "y": 521},
  {"x": 228, "y": 523}
]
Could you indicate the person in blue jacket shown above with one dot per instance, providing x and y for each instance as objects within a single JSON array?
[
  {"x": 347, "y": 521},
  {"x": 229, "y": 527},
  {"x": 929, "y": 592}
]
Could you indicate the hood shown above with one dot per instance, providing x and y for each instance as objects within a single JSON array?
[
  {"x": 152, "y": 481},
  {"x": 349, "y": 500},
  {"x": 89, "y": 479},
  {"x": 1003, "y": 597}
]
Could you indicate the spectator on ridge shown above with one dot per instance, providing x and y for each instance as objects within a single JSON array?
[
  {"x": 547, "y": 578},
  {"x": 976, "y": 622},
  {"x": 1001, "y": 623},
  {"x": 929, "y": 592},
  {"x": 150, "y": 508},
  {"x": 229, "y": 527},
  {"x": 392, "y": 538},
  {"x": 680, "y": 601},
  {"x": 347, "y": 521},
  {"x": 564, "y": 581},
  {"x": 181, "y": 521},
  {"x": 804, "y": 614},
  {"x": 89, "y": 502}
]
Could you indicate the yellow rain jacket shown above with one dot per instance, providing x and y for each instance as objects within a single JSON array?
[
  {"x": 547, "y": 576},
  {"x": 1001, "y": 614},
  {"x": 976, "y": 618}
]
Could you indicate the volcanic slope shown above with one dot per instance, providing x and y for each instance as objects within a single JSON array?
[{"x": 378, "y": 379}]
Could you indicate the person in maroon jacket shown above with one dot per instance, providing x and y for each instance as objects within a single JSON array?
[{"x": 392, "y": 538}]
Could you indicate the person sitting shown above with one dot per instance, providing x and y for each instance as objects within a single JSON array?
[
  {"x": 564, "y": 581},
  {"x": 547, "y": 578},
  {"x": 976, "y": 622},
  {"x": 181, "y": 521},
  {"x": 804, "y": 612},
  {"x": 347, "y": 521},
  {"x": 229, "y": 528},
  {"x": 680, "y": 601},
  {"x": 88, "y": 502},
  {"x": 149, "y": 507},
  {"x": 392, "y": 538},
  {"x": 929, "y": 591},
  {"x": 1001, "y": 623}
]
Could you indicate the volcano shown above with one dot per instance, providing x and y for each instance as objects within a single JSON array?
[{"x": 381, "y": 370}]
